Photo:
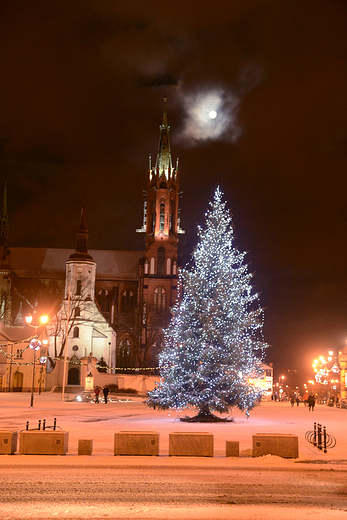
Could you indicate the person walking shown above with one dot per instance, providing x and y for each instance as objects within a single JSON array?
[
  {"x": 297, "y": 400},
  {"x": 311, "y": 402},
  {"x": 105, "y": 391},
  {"x": 96, "y": 393},
  {"x": 292, "y": 400}
]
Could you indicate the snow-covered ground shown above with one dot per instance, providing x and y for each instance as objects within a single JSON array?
[
  {"x": 99, "y": 422},
  {"x": 54, "y": 487}
]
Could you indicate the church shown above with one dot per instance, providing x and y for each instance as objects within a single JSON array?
[{"x": 107, "y": 304}]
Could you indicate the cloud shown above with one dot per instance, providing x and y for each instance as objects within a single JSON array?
[{"x": 199, "y": 125}]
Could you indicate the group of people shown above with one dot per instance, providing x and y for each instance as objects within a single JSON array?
[
  {"x": 309, "y": 400},
  {"x": 97, "y": 391}
]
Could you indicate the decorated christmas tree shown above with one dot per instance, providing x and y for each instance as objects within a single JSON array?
[{"x": 213, "y": 345}]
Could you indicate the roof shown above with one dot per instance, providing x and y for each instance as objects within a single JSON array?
[
  {"x": 9, "y": 334},
  {"x": 110, "y": 264}
]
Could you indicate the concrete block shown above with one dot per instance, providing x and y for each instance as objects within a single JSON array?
[
  {"x": 232, "y": 449},
  {"x": 85, "y": 446},
  {"x": 136, "y": 443},
  {"x": 43, "y": 442},
  {"x": 282, "y": 445},
  {"x": 8, "y": 442},
  {"x": 194, "y": 444}
]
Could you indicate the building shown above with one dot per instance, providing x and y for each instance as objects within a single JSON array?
[{"x": 111, "y": 304}]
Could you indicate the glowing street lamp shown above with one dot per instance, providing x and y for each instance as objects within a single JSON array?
[{"x": 35, "y": 344}]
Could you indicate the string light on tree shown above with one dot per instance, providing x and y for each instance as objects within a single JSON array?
[{"x": 213, "y": 345}]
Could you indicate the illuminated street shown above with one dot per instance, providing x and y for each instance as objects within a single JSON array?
[{"x": 104, "y": 486}]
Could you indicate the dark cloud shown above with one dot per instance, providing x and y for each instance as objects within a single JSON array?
[{"x": 80, "y": 106}]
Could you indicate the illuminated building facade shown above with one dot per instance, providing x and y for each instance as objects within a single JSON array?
[{"x": 102, "y": 287}]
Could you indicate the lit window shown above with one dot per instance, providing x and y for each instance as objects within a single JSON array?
[{"x": 162, "y": 216}]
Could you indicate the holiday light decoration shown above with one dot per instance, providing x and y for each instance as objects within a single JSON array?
[
  {"x": 322, "y": 370},
  {"x": 213, "y": 345}
]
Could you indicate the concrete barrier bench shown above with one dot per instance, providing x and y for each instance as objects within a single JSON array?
[
  {"x": 43, "y": 442},
  {"x": 194, "y": 444},
  {"x": 85, "y": 446},
  {"x": 282, "y": 445},
  {"x": 8, "y": 442},
  {"x": 136, "y": 443},
  {"x": 232, "y": 449}
]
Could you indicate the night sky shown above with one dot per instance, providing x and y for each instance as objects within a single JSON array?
[{"x": 81, "y": 101}]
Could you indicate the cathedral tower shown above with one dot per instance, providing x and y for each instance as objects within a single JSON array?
[{"x": 161, "y": 225}]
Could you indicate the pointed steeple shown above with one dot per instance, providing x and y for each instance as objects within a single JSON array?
[
  {"x": 4, "y": 217},
  {"x": 81, "y": 252},
  {"x": 163, "y": 164}
]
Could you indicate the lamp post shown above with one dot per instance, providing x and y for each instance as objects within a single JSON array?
[
  {"x": 43, "y": 360},
  {"x": 35, "y": 344}
]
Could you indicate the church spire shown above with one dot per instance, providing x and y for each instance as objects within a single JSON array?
[
  {"x": 81, "y": 252},
  {"x": 163, "y": 164}
]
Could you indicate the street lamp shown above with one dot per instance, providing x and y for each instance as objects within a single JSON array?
[
  {"x": 35, "y": 344},
  {"x": 43, "y": 361}
]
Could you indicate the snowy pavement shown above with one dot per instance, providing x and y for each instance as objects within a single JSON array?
[
  {"x": 86, "y": 420},
  {"x": 104, "y": 486}
]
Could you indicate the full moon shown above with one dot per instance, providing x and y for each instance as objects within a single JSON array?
[{"x": 213, "y": 114}]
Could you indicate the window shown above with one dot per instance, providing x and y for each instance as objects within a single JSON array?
[
  {"x": 125, "y": 357},
  {"x": 162, "y": 216},
  {"x": 19, "y": 353},
  {"x": 159, "y": 299},
  {"x": 78, "y": 287},
  {"x": 152, "y": 266},
  {"x": 127, "y": 301},
  {"x": 161, "y": 260},
  {"x": 168, "y": 266},
  {"x": 76, "y": 332},
  {"x": 77, "y": 312}
]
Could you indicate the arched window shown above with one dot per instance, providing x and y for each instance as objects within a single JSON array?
[
  {"x": 159, "y": 299},
  {"x": 127, "y": 301},
  {"x": 146, "y": 267},
  {"x": 76, "y": 332},
  {"x": 125, "y": 358},
  {"x": 162, "y": 216},
  {"x": 161, "y": 260},
  {"x": 77, "y": 312},
  {"x": 78, "y": 287}
]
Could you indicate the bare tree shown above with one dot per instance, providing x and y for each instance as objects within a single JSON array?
[
  {"x": 76, "y": 310},
  {"x": 143, "y": 329}
]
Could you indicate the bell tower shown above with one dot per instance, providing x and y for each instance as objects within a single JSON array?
[
  {"x": 161, "y": 225},
  {"x": 80, "y": 267}
]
